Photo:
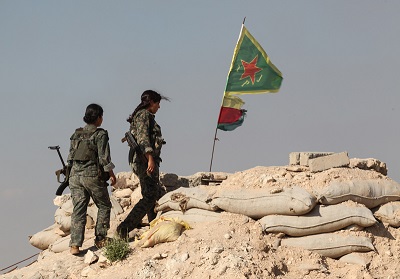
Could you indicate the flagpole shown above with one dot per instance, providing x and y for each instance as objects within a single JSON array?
[
  {"x": 212, "y": 154},
  {"x": 245, "y": 57},
  {"x": 215, "y": 136},
  {"x": 216, "y": 129}
]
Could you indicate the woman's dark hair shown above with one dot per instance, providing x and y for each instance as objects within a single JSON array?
[
  {"x": 147, "y": 96},
  {"x": 93, "y": 111}
]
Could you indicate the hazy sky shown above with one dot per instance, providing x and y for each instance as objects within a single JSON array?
[{"x": 340, "y": 92}]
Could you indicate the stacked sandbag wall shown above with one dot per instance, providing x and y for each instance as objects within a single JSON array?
[
  {"x": 319, "y": 217},
  {"x": 354, "y": 203},
  {"x": 311, "y": 220}
]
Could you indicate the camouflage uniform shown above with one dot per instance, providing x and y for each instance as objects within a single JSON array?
[
  {"x": 148, "y": 136},
  {"x": 86, "y": 182}
]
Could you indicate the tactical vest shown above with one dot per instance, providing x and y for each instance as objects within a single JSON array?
[{"x": 83, "y": 146}]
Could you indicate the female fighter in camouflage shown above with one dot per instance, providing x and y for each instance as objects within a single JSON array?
[
  {"x": 90, "y": 159},
  {"x": 146, "y": 161}
]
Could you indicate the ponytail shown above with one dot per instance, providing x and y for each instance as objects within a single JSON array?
[{"x": 147, "y": 96}]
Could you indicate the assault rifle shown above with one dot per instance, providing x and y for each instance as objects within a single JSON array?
[
  {"x": 65, "y": 171},
  {"x": 133, "y": 145}
]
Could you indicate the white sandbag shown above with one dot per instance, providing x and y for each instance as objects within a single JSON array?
[
  {"x": 331, "y": 245},
  {"x": 63, "y": 219},
  {"x": 122, "y": 193},
  {"x": 44, "y": 238},
  {"x": 194, "y": 215},
  {"x": 60, "y": 245},
  {"x": 389, "y": 213},
  {"x": 354, "y": 258},
  {"x": 92, "y": 211},
  {"x": 186, "y": 198},
  {"x": 116, "y": 209},
  {"x": 60, "y": 200},
  {"x": 321, "y": 219},
  {"x": 63, "y": 214},
  {"x": 257, "y": 203},
  {"x": 67, "y": 206},
  {"x": 371, "y": 193},
  {"x": 63, "y": 244}
]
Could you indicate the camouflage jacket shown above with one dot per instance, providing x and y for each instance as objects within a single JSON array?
[
  {"x": 147, "y": 134},
  {"x": 103, "y": 157}
]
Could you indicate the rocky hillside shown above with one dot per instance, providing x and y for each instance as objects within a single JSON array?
[{"x": 266, "y": 222}]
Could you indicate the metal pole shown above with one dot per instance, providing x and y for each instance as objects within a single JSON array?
[{"x": 212, "y": 154}]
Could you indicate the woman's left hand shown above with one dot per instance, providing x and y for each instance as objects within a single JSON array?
[
  {"x": 150, "y": 163},
  {"x": 113, "y": 179}
]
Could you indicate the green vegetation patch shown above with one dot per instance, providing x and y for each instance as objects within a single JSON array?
[{"x": 116, "y": 249}]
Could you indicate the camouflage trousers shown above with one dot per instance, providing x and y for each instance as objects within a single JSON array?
[
  {"x": 82, "y": 189},
  {"x": 151, "y": 192}
]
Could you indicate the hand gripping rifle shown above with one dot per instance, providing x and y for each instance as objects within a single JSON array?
[{"x": 65, "y": 171}]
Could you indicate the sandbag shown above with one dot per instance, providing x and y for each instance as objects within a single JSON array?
[
  {"x": 63, "y": 214},
  {"x": 186, "y": 198},
  {"x": 371, "y": 193},
  {"x": 63, "y": 244},
  {"x": 162, "y": 230},
  {"x": 44, "y": 238},
  {"x": 63, "y": 219},
  {"x": 116, "y": 209},
  {"x": 60, "y": 245},
  {"x": 67, "y": 206},
  {"x": 330, "y": 244},
  {"x": 321, "y": 219},
  {"x": 354, "y": 258},
  {"x": 194, "y": 215},
  {"x": 389, "y": 213},
  {"x": 257, "y": 203},
  {"x": 60, "y": 200}
]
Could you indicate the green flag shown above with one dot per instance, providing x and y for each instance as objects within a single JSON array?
[{"x": 251, "y": 70}]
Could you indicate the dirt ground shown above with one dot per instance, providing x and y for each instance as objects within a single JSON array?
[{"x": 235, "y": 245}]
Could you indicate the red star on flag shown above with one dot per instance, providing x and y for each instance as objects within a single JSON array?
[{"x": 250, "y": 69}]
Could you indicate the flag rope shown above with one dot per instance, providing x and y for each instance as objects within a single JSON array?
[{"x": 8, "y": 267}]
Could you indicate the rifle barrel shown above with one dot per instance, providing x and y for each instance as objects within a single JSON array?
[
  {"x": 61, "y": 158},
  {"x": 57, "y": 147}
]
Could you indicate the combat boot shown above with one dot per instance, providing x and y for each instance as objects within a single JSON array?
[
  {"x": 123, "y": 233},
  {"x": 101, "y": 241},
  {"x": 74, "y": 250}
]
